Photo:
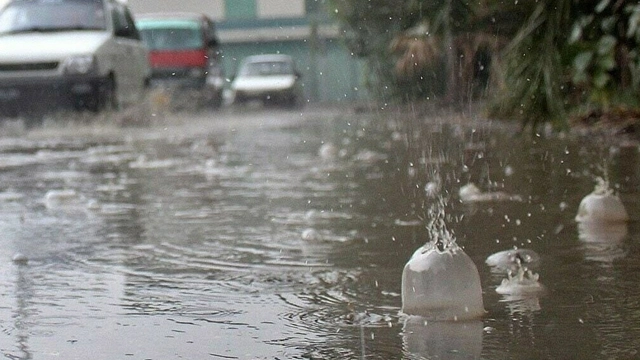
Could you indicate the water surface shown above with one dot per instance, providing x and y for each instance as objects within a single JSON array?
[{"x": 229, "y": 237}]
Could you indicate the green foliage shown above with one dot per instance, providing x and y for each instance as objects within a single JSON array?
[
  {"x": 596, "y": 65},
  {"x": 533, "y": 72},
  {"x": 607, "y": 66},
  {"x": 562, "y": 55},
  {"x": 369, "y": 27}
]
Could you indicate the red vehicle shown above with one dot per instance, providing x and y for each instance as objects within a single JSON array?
[{"x": 184, "y": 54}]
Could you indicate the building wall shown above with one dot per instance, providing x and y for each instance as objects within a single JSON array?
[
  {"x": 221, "y": 10},
  {"x": 280, "y": 8},
  {"x": 212, "y": 8},
  {"x": 240, "y": 9}
]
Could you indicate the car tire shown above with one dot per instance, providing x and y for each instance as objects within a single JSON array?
[
  {"x": 104, "y": 98},
  {"x": 107, "y": 96}
]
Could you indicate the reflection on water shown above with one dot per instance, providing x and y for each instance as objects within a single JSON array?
[
  {"x": 603, "y": 243},
  {"x": 249, "y": 237},
  {"x": 522, "y": 303},
  {"x": 442, "y": 340}
]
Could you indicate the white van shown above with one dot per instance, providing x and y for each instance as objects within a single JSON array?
[{"x": 82, "y": 54}]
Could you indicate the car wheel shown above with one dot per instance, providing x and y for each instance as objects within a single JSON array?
[
  {"x": 104, "y": 98},
  {"x": 107, "y": 96}
]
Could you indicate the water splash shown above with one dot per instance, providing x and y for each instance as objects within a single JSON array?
[
  {"x": 510, "y": 260},
  {"x": 65, "y": 198},
  {"x": 601, "y": 205},
  {"x": 603, "y": 242},
  {"x": 602, "y": 187},
  {"x": 328, "y": 152},
  {"x": 470, "y": 193},
  {"x": 520, "y": 282},
  {"x": 442, "y": 340},
  {"x": 440, "y": 281}
]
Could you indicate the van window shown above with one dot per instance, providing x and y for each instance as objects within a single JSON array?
[
  {"x": 266, "y": 68},
  {"x": 212, "y": 36},
  {"x": 123, "y": 24},
  {"x": 171, "y": 35}
]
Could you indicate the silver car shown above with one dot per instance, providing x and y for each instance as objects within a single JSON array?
[{"x": 272, "y": 79}]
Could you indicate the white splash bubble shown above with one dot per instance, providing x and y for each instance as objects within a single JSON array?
[
  {"x": 510, "y": 260},
  {"x": 311, "y": 235},
  {"x": 328, "y": 152},
  {"x": 20, "y": 258},
  {"x": 471, "y": 193},
  {"x": 65, "y": 198},
  {"x": 521, "y": 282},
  {"x": 442, "y": 284},
  {"x": 602, "y": 205}
]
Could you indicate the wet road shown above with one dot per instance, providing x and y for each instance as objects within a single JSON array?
[{"x": 227, "y": 236}]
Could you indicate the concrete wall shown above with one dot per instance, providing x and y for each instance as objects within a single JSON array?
[
  {"x": 212, "y": 8},
  {"x": 267, "y": 9},
  {"x": 220, "y": 9}
]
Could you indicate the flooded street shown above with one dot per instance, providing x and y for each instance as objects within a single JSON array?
[{"x": 231, "y": 235}]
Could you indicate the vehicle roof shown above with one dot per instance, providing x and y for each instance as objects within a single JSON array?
[
  {"x": 169, "y": 23},
  {"x": 172, "y": 16},
  {"x": 268, "y": 57},
  {"x": 59, "y": 1}
]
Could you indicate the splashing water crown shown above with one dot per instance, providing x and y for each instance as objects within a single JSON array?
[{"x": 602, "y": 187}]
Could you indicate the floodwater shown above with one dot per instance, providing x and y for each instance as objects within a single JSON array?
[{"x": 227, "y": 236}]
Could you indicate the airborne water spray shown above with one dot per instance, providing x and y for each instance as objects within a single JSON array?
[{"x": 440, "y": 281}]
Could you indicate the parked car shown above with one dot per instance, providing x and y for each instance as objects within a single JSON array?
[
  {"x": 184, "y": 54},
  {"x": 268, "y": 78},
  {"x": 82, "y": 54}
]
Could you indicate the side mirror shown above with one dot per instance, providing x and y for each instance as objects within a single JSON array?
[
  {"x": 212, "y": 42},
  {"x": 123, "y": 32}
]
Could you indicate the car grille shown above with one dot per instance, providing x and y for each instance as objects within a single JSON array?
[{"x": 52, "y": 65}]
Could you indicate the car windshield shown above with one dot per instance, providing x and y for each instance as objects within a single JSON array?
[
  {"x": 171, "y": 36},
  {"x": 52, "y": 15},
  {"x": 266, "y": 68}
]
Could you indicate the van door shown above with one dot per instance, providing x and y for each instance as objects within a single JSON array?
[
  {"x": 215, "y": 73},
  {"x": 132, "y": 66}
]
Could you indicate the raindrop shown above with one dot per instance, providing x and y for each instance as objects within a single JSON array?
[{"x": 508, "y": 170}]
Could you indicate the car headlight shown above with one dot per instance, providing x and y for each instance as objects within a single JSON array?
[{"x": 80, "y": 64}]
